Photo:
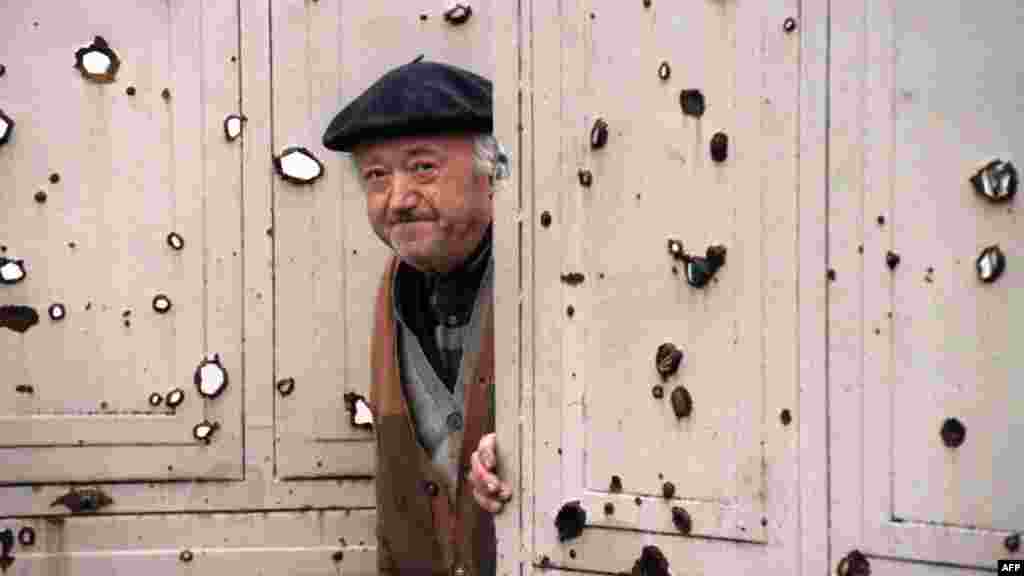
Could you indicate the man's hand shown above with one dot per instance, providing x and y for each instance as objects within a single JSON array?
[{"x": 488, "y": 490}]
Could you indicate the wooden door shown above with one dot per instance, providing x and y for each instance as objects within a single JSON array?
[
  {"x": 122, "y": 200},
  {"x": 676, "y": 131},
  {"x": 925, "y": 372}
]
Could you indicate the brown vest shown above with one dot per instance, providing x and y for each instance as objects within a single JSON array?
[{"x": 420, "y": 531}]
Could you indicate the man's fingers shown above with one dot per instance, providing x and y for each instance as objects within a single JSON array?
[{"x": 481, "y": 473}]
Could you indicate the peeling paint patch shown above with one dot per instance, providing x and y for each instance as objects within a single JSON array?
[
  {"x": 24, "y": 389},
  {"x": 18, "y": 318}
]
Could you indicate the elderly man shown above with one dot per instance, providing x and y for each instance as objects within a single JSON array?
[{"x": 421, "y": 145}]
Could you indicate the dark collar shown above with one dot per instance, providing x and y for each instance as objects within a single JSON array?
[{"x": 452, "y": 295}]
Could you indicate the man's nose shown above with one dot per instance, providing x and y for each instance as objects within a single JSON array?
[{"x": 403, "y": 193}]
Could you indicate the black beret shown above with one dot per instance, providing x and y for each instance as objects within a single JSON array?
[{"x": 417, "y": 98}]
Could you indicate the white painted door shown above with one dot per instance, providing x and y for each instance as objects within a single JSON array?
[
  {"x": 700, "y": 103},
  {"x": 119, "y": 189},
  {"x": 925, "y": 369}
]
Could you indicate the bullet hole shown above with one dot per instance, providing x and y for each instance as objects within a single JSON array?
[
  {"x": 700, "y": 270},
  {"x": 298, "y": 166},
  {"x": 359, "y": 411},
  {"x": 458, "y": 14},
  {"x": 161, "y": 303},
  {"x": 27, "y": 536},
  {"x": 126, "y": 313},
  {"x": 423, "y": 17},
  {"x": 609, "y": 508},
  {"x": 24, "y": 389},
  {"x": 681, "y": 519},
  {"x": 270, "y": 232},
  {"x": 585, "y": 177},
  {"x": 831, "y": 275},
  {"x": 785, "y": 417},
  {"x": 559, "y": 451},
  {"x": 637, "y": 501},
  {"x": 130, "y": 90},
  {"x": 996, "y": 181},
  {"x": 664, "y": 71},
  {"x": 764, "y": 521},
  {"x": 545, "y": 561},
  {"x": 616, "y": 484},
  {"x": 186, "y": 555},
  {"x": 570, "y": 311},
  {"x": 175, "y": 241},
  {"x": 600, "y": 275},
  {"x": 175, "y": 397},
  {"x": 97, "y": 62},
  {"x": 668, "y": 490},
  {"x": 18, "y": 318},
  {"x": 54, "y": 178},
  {"x": 210, "y": 377},
  {"x": 881, "y": 220},
  {"x": 892, "y": 260},
  {"x": 545, "y": 219},
  {"x": 692, "y": 102},
  {"x": 572, "y": 553},
  {"x": 860, "y": 249},
  {"x": 338, "y": 556},
  {"x": 40, "y": 197},
  {"x": 658, "y": 392},
  {"x": 104, "y": 405},
  {"x": 650, "y": 563},
  {"x": 1012, "y": 542},
  {"x": 572, "y": 278},
  {"x": 3, "y": 248},
  {"x": 233, "y": 126},
  {"x": 878, "y": 331},
  {"x": 990, "y": 264},
  {"x": 72, "y": 245},
  {"x": 3, "y": 70},
  {"x": 286, "y": 386},
  {"x": 599, "y": 134},
  {"x": 647, "y": 3},
  {"x": 719, "y": 147},
  {"x": 789, "y": 25},
  {"x": 570, "y": 521},
  {"x": 319, "y": 464},
  {"x": 889, "y": 314},
  {"x": 953, "y": 432},
  {"x": 682, "y": 402},
  {"x": 11, "y": 272},
  {"x": 165, "y": 94},
  {"x": 667, "y": 359},
  {"x": 155, "y": 399},
  {"x": 6, "y": 127},
  {"x": 204, "y": 431},
  {"x": 127, "y": 323},
  {"x": 234, "y": 58},
  {"x": 675, "y": 248},
  {"x": 56, "y": 311}
]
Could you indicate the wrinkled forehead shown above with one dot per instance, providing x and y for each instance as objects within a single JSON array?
[{"x": 397, "y": 148}]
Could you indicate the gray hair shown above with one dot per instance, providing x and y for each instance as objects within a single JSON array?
[{"x": 489, "y": 159}]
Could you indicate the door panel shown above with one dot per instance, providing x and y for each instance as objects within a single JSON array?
[
  {"x": 928, "y": 353},
  {"x": 96, "y": 176},
  {"x": 328, "y": 261},
  {"x": 611, "y": 292}
]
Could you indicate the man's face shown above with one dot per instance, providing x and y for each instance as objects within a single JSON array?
[{"x": 423, "y": 200}]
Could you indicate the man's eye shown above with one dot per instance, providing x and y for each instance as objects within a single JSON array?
[
  {"x": 370, "y": 174},
  {"x": 428, "y": 164}
]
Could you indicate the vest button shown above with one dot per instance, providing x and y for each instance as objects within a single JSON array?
[
  {"x": 430, "y": 487},
  {"x": 455, "y": 421},
  {"x": 460, "y": 571}
]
